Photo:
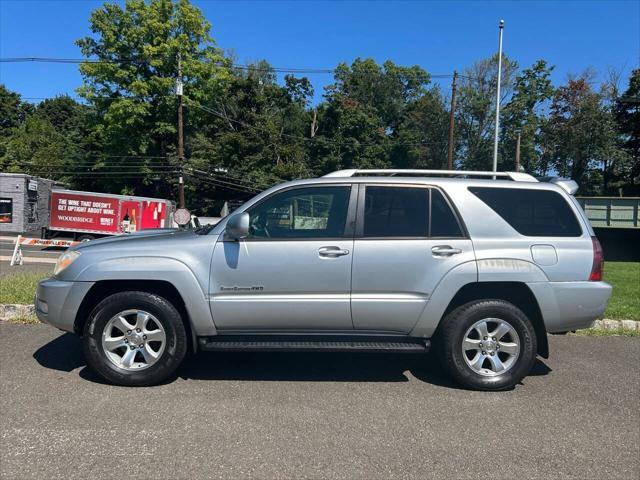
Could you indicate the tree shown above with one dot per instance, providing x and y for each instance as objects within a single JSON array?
[
  {"x": 475, "y": 122},
  {"x": 524, "y": 114},
  {"x": 363, "y": 114},
  {"x": 627, "y": 112},
  {"x": 422, "y": 139},
  {"x": 253, "y": 134},
  {"x": 131, "y": 86},
  {"x": 13, "y": 112},
  {"x": 581, "y": 136},
  {"x": 36, "y": 147}
]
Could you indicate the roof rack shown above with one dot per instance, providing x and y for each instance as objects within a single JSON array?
[{"x": 515, "y": 176}]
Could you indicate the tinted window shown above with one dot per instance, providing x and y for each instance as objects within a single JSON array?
[
  {"x": 443, "y": 221},
  {"x": 312, "y": 212},
  {"x": 535, "y": 213},
  {"x": 6, "y": 210},
  {"x": 396, "y": 212}
]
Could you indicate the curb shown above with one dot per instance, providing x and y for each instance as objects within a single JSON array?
[
  {"x": 608, "y": 324},
  {"x": 10, "y": 311}
]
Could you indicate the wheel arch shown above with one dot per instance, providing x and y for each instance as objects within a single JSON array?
[
  {"x": 104, "y": 288},
  {"x": 517, "y": 293}
]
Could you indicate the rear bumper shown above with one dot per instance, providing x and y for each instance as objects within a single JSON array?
[
  {"x": 569, "y": 306},
  {"x": 57, "y": 302}
]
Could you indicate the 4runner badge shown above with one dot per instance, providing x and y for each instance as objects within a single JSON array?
[{"x": 236, "y": 288}]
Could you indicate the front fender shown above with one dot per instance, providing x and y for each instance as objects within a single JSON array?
[{"x": 166, "y": 269}]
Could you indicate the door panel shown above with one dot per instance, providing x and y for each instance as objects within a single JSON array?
[
  {"x": 397, "y": 259},
  {"x": 281, "y": 285},
  {"x": 393, "y": 279},
  {"x": 293, "y": 272}
]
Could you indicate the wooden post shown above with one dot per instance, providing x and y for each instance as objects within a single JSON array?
[
  {"x": 518, "y": 153},
  {"x": 180, "y": 134},
  {"x": 452, "y": 121}
]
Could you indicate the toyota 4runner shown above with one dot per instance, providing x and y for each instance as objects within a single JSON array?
[{"x": 478, "y": 265}]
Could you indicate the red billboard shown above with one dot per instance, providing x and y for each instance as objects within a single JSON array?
[
  {"x": 106, "y": 214},
  {"x": 76, "y": 212}
]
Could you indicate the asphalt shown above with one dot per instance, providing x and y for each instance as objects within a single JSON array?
[
  {"x": 281, "y": 415},
  {"x": 36, "y": 259}
]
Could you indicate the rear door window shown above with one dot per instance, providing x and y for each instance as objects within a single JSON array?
[
  {"x": 396, "y": 212},
  {"x": 533, "y": 213},
  {"x": 408, "y": 212},
  {"x": 443, "y": 221}
]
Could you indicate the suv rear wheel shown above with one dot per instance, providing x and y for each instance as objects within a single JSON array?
[
  {"x": 134, "y": 339},
  {"x": 487, "y": 345}
]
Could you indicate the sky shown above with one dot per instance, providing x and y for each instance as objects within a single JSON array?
[{"x": 440, "y": 36}]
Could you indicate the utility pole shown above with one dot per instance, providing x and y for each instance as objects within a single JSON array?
[
  {"x": 179, "y": 89},
  {"x": 452, "y": 121},
  {"x": 495, "y": 141},
  {"x": 518, "y": 153}
]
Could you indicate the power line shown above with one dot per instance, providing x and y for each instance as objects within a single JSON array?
[
  {"x": 316, "y": 139},
  {"x": 310, "y": 70},
  {"x": 221, "y": 184},
  {"x": 211, "y": 176}
]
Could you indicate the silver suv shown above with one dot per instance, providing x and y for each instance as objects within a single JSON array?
[{"x": 479, "y": 265}]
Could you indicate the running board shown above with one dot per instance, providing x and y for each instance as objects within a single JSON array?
[{"x": 220, "y": 343}]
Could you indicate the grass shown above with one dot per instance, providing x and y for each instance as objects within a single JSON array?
[
  {"x": 27, "y": 319},
  {"x": 625, "y": 278},
  {"x": 20, "y": 287},
  {"x": 603, "y": 332}
]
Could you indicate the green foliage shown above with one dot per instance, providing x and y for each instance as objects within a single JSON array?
[
  {"x": 524, "y": 114},
  {"x": 132, "y": 87},
  {"x": 580, "y": 137},
  {"x": 627, "y": 112},
  {"x": 476, "y": 110},
  {"x": 38, "y": 147},
  {"x": 13, "y": 112}
]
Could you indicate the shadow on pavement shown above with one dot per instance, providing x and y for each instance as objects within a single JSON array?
[{"x": 64, "y": 354}]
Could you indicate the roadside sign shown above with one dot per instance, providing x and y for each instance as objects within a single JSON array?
[{"x": 182, "y": 216}]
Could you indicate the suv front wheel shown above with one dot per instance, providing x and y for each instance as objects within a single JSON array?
[
  {"x": 487, "y": 345},
  {"x": 134, "y": 339}
]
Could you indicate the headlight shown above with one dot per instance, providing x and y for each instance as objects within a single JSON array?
[{"x": 65, "y": 260}]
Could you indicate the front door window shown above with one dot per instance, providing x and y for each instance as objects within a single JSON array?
[{"x": 312, "y": 212}]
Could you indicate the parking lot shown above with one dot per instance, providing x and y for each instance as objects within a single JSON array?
[{"x": 307, "y": 415}]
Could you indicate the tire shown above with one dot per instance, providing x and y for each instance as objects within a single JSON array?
[
  {"x": 85, "y": 238},
  {"x": 159, "y": 346},
  {"x": 506, "y": 361}
]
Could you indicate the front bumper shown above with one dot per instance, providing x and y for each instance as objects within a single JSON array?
[
  {"x": 57, "y": 302},
  {"x": 567, "y": 306}
]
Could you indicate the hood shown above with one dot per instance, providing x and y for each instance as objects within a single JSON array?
[{"x": 145, "y": 237}]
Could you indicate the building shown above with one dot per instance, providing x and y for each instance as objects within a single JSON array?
[{"x": 24, "y": 203}]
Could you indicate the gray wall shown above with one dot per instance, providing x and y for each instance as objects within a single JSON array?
[{"x": 30, "y": 210}]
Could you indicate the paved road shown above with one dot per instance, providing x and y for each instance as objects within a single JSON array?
[
  {"x": 37, "y": 259},
  {"x": 317, "y": 415}
]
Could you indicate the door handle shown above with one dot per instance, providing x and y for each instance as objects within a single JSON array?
[
  {"x": 332, "y": 252},
  {"x": 444, "y": 251}
]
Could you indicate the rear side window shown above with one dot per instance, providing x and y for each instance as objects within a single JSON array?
[
  {"x": 396, "y": 212},
  {"x": 410, "y": 212},
  {"x": 443, "y": 222},
  {"x": 534, "y": 213}
]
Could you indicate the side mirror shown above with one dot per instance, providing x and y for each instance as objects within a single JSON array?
[{"x": 237, "y": 226}]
